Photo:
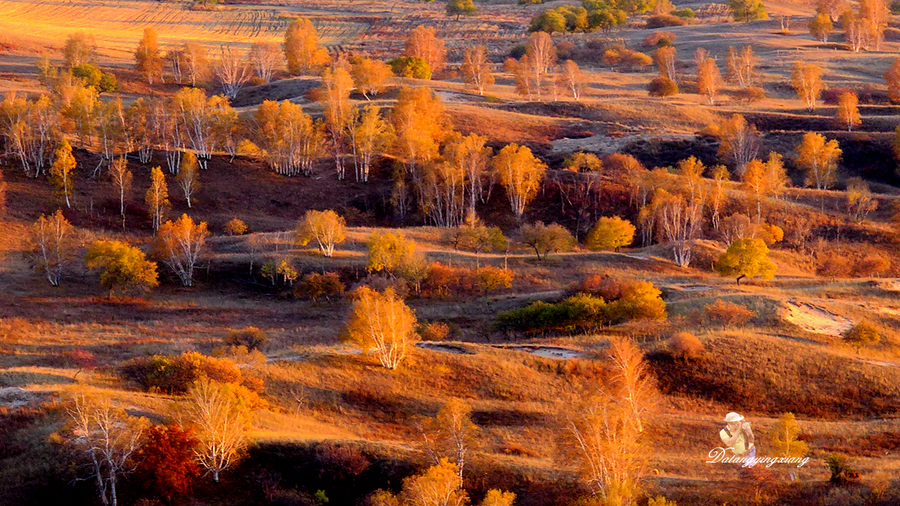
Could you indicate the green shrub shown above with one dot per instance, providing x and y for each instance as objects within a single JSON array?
[
  {"x": 105, "y": 82},
  {"x": 414, "y": 67},
  {"x": 662, "y": 87},
  {"x": 862, "y": 334},
  {"x": 581, "y": 312},
  {"x": 251, "y": 338},
  {"x": 160, "y": 373},
  {"x": 841, "y": 469}
]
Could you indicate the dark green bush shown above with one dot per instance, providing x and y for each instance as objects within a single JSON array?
[
  {"x": 251, "y": 338},
  {"x": 580, "y": 312},
  {"x": 414, "y": 67}
]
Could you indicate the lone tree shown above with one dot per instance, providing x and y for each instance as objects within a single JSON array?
[
  {"x": 147, "y": 57},
  {"x": 806, "y": 78},
  {"x": 51, "y": 245},
  {"x": 818, "y": 157},
  {"x": 892, "y": 79},
  {"x": 301, "y": 48},
  {"x": 848, "y": 111},
  {"x": 110, "y": 437},
  {"x": 862, "y": 334},
  {"x": 460, "y": 7},
  {"x": 476, "y": 69},
  {"x": 821, "y": 27},
  {"x": 327, "y": 228},
  {"x": 451, "y": 434},
  {"x": 610, "y": 234},
  {"x": 383, "y": 323},
  {"x": 179, "y": 243},
  {"x": 786, "y": 441},
  {"x": 122, "y": 267},
  {"x": 544, "y": 239},
  {"x": 221, "y": 415},
  {"x": 746, "y": 258}
]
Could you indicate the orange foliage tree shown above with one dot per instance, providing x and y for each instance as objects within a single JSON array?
[
  {"x": 301, "y": 48},
  {"x": 806, "y": 78},
  {"x": 179, "y": 244},
  {"x": 423, "y": 43},
  {"x": 147, "y": 57},
  {"x": 166, "y": 465},
  {"x": 476, "y": 69},
  {"x": 818, "y": 157}
]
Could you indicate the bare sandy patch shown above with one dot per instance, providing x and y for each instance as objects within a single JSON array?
[{"x": 812, "y": 318}]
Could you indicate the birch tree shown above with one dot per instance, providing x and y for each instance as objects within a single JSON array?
[
  {"x": 221, "y": 419},
  {"x": 327, "y": 228},
  {"x": 520, "y": 173},
  {"x": 188, "y": 177},
  {"x": 61, "y": 172},
  {"x": 109, "y": 437},
  {"x": 196, "y": 61},
  {"x": 232, "y": 70},
  {"x": 265, "y": 59},
  {"x": 601, "y": 440},
  {"x": 632, "y": 378},
  {"x": 741, "y": 66},
  {"x": 121, "y": 179},
  {"x": 301, "y": 48},
  {"x": 818, "y": 157},
  {"x": 147, "y": 56},
  {"x": 679, "y": 221},
  {"x": 370, "y": 76},
  {"x": 373, "y": 135},
  {"x": 336, "y": 86},
  {"x": 571, "y": 79},
  {"x": 806, "y": 78},
  {"x": 179, "y": 245},
  {"x": 157, "y": 197},
  {"x": 423, "y": 43},
  {"x": 382, "y": 323},
  {"x": 451, "y": 434},
  {"x": 51, "y": 245},
  {"x": 476, "y": 69},
  {"x": 738, "y": 141},
  {"x": 471, "y": 154}
]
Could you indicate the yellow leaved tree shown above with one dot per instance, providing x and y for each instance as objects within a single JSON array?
[{"x": 383, "y": 323}]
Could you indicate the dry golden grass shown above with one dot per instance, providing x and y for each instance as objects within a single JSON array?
[{"x": 118, "y": 25}]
